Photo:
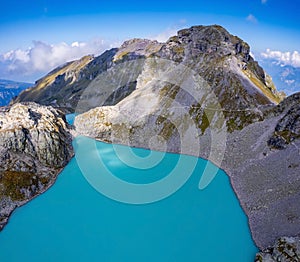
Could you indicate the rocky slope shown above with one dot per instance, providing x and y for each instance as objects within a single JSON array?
[
  {"x": 286, "y": 249},
  {"x": 262, "y": 161},
  {"x": 35, "y": 144},
  {"x": 55, "y": 86}
]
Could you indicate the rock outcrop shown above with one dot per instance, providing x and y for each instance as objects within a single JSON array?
[
  {"x": 35, "y": 144},
  {"x": 286, "y": 249}
]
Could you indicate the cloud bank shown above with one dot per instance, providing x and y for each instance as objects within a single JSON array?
[
  {"x": 43, "y": 57},
  {"x": 284, "y": 58}
]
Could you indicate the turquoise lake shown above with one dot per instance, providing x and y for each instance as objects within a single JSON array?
[{"x": 74, "y": 222}]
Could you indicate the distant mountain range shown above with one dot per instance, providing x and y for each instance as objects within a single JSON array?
[
  {"x": 285, "y": 77},
  {"x": 10, "y": 89}
]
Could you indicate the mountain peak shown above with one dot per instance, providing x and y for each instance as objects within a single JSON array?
[
  {"x": 221, "y": 59},
  {"x": 137, "y": 47}
]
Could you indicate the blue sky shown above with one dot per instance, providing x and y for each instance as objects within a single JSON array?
[{"x": 38, "y": 35}]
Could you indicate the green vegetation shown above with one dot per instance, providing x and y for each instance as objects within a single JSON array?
[
  {"x": 199, "y": 116},
  {"x": 14, "y": 182},
  {"x": 168, "y": 130},
  {"x": 238, "y": 120},
  {"x": 120, "y": 55},
  {"x": 169, "y": 90},
  {"x": 267, "y": 92},
  {"x": 179, "y": 50}
]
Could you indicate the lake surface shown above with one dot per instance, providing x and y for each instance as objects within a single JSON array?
[{"x": 74, "y": 222}]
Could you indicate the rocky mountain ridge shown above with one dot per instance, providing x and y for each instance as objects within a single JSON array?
[{"x": 208, "y": 49}]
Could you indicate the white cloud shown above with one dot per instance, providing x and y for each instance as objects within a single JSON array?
[
  {"x": 165, "y": 35},
  {"x": 264, "y": 1},
  {"x": 171, "y": 31},
  {"x": 251, "y": 18},
  {"x": 43, "y": 57},
  {"x": 285, "y": 58},
  {"x": 289, "y": 82}
]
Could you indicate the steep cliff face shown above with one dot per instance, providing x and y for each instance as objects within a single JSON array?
[
  {"x": 287, "y": 129},
  {"x": 35, "y": 144}
]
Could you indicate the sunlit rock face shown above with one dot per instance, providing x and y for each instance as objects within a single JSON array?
[{"x": 35, "y": 144}]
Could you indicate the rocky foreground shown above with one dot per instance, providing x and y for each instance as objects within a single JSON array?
[{"x": 35, "y": 144}]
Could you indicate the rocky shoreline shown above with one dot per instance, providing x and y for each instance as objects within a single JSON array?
[{"x": 35, "y": 145}]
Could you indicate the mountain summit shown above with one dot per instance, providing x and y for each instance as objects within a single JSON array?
[{"x": 222, "y": 59}]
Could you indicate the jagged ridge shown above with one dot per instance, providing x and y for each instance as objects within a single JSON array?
[{"x": 210, "y": 50}]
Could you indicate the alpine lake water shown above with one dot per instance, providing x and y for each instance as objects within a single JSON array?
[{"x": 74, "y": 222}]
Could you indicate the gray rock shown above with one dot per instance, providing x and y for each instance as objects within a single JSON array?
[
  {"x": 35, "y": 144},
  {"x": 287, "y": 129},
  {"x": 286, "y": 249}
]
